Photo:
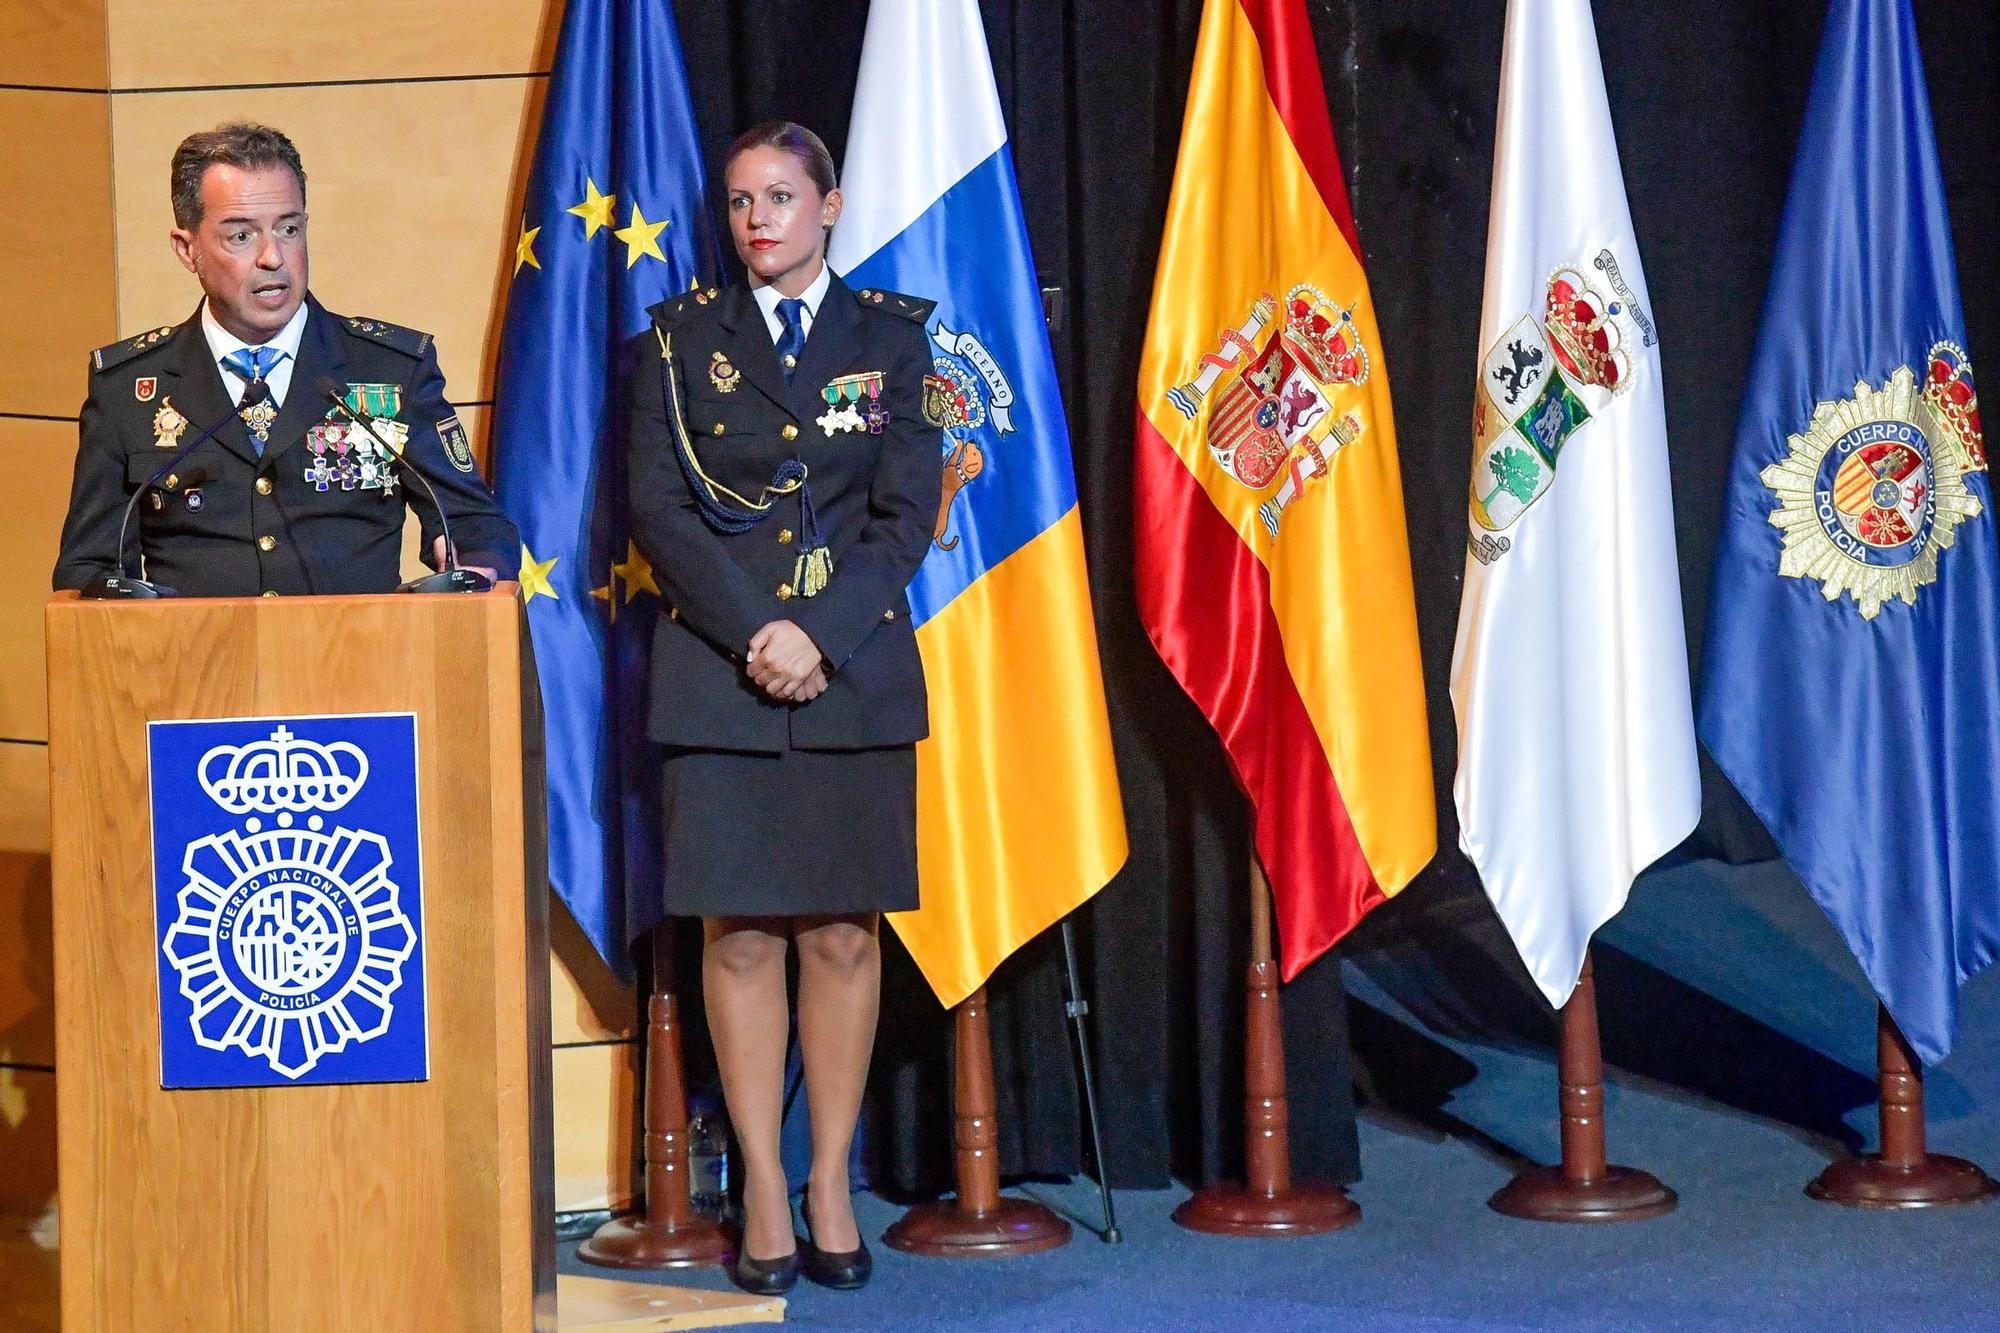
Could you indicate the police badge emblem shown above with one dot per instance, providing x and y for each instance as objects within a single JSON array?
[
  {"x": 290, "y": 926},
  {"x": 168, "y": 425},
  {"x": 1873, "y": 490},
  {"x": 722, "y": 374},
  {"x": 456, "y": 447},
  {"x": 145, "y": 387}
]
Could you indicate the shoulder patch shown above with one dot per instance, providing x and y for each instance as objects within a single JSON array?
[
  {"x": 913, "y": 308},
  {"x": 114, "y": 354},
  {"x": 409, "y": 342}
]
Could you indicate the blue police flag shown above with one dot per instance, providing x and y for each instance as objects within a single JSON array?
[
  {"x": 1850, "y": 685},
  {"x": 613, "y": 222}
]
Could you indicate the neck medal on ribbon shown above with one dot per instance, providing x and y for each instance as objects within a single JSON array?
[
  {"x": 843, "y": 394},
  {"x": 258, "y": 417}
]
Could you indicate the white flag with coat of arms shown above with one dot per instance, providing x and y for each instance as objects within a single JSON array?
[{"x": 1576, "y": 763}]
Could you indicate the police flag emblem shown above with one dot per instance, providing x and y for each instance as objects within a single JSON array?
[
  {"x": 288, "y": 901},
  {"x": 1874, "y": 488}
]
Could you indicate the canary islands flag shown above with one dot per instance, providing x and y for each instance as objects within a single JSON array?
[
  {"x": 613, "y": 223},
  {"x": 1273, "y": 565},
  {"x": 1018, "y": 812},
  {"x": 1851, "y": 681}
]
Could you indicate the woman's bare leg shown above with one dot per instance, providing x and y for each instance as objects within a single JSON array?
[
  {"x": 840, "y": 992},
  {"x": 743, "y": 981}
]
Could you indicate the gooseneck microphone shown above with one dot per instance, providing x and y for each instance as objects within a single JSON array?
[
  {"x": 452, "y": 578},
  {"x": 122, "y": 585}
]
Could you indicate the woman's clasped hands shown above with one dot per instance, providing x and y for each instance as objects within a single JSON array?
[{"x": 785, "y": 663}]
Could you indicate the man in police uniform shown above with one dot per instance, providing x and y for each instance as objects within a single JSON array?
[{"x": 291, "y": 497}]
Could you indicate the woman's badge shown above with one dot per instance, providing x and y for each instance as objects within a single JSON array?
[{"x": 723, "y": 375}]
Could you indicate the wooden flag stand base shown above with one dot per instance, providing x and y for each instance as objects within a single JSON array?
[
  {"x": 1268, "y": 1203},
  {"x": 1902, "y": 1175},
  {"x": 670, "y": 1233},
  {"x": 978, "y": 1223},
  {"x": 1584, "y": 1188}
]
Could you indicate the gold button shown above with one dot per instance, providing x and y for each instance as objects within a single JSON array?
[
  {"x": 784, "y": 592},
  {"x": 784, "y": 536},
  {"x": 673, "y": 613},
  {"x": 888, "y": 615},
  {"x": 173, "y": 480},
  {"x": 269, "y": 593},
  {"x": 267, "y": 543},
  {"x": 716, "y": 429},
  {"x": 263, "y": 485},
  {"x": 788, "y": 432}
]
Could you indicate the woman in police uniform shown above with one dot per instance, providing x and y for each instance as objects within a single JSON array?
[{"x": 784, "y": 486}]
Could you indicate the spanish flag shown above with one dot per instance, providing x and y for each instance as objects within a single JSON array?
[{"x": 1273, "y": 565}]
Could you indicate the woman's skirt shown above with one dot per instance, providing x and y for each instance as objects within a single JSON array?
[{"x": 797, "y": 833}]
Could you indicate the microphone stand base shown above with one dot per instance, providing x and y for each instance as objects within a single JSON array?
[
  {"x": 116, "y": 587},
  {"x": 449, "y": 580}
]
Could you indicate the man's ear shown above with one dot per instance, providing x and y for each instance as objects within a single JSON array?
[{"x": 183, "y": 243}]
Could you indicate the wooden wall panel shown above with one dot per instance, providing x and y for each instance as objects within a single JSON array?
[
  {"x": 27, "y": 1142},
  {"x": 234, "y": 42},
  {"x": 24, "y": 797},
  {"x": 57, "y": 294},
  {"x": 35, "y": 458},
  {"x": 27, "y": 972},
  {"x": 595, "y": 1134},
  {"x": 412, "y": 190},
  {"x": 53, "y": 43},
  {"x": 586, "y": 1002}
]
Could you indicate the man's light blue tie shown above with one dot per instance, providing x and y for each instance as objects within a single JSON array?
[
  {"x": 253, "y": 364},
  {"x": 792, "y": 342}
]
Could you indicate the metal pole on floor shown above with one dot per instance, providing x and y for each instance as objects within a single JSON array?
[{"x": 1078, "y": 1008}]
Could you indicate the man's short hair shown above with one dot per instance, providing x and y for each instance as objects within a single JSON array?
[{"x": 244, "y": 146}]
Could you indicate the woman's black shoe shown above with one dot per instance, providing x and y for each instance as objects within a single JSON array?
[
  {"x": 840, "y": 1272},
  {"x": 765, "y": 1277}
]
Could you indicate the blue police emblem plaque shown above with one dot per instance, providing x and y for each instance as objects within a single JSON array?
[{"x": 287, "y": 892}]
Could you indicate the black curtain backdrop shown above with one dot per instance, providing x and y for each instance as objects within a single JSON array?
[{"x": 1707, "y": 97}]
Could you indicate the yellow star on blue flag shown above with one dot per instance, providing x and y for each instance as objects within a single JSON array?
[{"x": 617, "y": 128}]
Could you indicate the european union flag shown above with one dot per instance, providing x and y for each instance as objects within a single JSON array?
[
  {"x": 613, "y": 223},
  {"x": 1850, "y": 687}
]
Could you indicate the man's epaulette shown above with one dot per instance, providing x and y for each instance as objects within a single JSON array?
[
  {"x": 115, "y": 354},
  {"x": 667, "y": 311},
  {"x": 913, "y": 308},
  {"x": 407, "y": 341}
]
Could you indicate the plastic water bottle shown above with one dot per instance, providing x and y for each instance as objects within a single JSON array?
[{"x": 708, "y": 1158}]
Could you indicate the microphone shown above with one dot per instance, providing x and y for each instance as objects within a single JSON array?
[
  {"x": 451, "y": 578},
  {"x": 120, "y": 585}
]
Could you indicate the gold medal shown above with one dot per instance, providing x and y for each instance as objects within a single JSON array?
[
  {"x": 168, "y": 425},
  {"x": 258, "y": 417}
]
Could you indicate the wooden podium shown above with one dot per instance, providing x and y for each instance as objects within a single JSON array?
[{"x": 420, "y": 1206}]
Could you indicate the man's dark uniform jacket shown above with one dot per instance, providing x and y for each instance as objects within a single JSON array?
[
  {"x": 876, "y": 496},
  {"x": 229, "y": 523}
]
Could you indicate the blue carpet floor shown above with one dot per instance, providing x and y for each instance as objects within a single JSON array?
[{"x": 1742, "y": 1037}]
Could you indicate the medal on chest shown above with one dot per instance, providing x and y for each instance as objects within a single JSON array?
[
  {"x": 168, "y": 425},
  {"x": 346, "y": 454},
  {"x": 843, "y": 398}
]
